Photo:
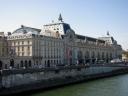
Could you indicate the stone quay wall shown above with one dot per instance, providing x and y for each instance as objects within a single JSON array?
[{"x": 49, "y": 77}]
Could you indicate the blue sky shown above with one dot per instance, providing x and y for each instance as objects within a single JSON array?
[{"x": 87, "y": 17}]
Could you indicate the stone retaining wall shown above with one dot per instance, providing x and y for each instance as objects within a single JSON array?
[{"x": 12, "y": 80}]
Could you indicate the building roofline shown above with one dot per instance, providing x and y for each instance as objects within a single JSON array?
[{"x": 22, "y": 26}]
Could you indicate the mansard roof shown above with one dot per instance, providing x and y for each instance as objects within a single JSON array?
[
  {"x": 85, "y": 37},
  {"x": 89, "y": 38},
  {"x": 65, "y": 25},
  {"x": 26, "y": 30},
  {"x": 108, "y": 39},
  {"x": 80, "y": 37}
]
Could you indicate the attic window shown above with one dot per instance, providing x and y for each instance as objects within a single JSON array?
[
  {"x": 24, "y": 31},
  {"x": 70, "y": 36}
]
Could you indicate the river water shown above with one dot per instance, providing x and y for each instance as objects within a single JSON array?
[{"x": 112, "y": 86}]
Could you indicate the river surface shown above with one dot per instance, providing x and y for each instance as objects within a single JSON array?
[{"x": 112, "y": 86}]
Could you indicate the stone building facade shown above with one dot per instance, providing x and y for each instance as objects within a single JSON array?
[
  {"x": 57, "y": 44},
  {"x": 33, "y": 50}
]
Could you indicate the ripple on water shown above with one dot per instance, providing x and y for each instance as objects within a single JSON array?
[{"x": 114, "y": 86}]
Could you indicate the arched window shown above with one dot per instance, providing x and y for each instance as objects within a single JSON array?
[
  {"x": 93, "y": 54},
  {"x": 30, "y": 63},
  {"x": 26, "y": 63},
  {"x": 107, "y": 55},
  {"x": 51, "y": 62},
  {"x": 12, "y": 63},
  {"x": 87, "y": 54},
  {"x": 98, "y": 56},
  {"x": 80, "y": 57},
  {"x": 48, "y": 63},
  {"x": 59, "y": 61},
  {"x": 1, "y": 65},
  {"x": 110, "y": 55},
  {"x": 45, "y": 63},
  {"x": 57, "y": 34},
  {"x": 102, "y": 55},
  {"x": 54, "y": 61},
  {"x": 107, "y": 58},
  {"x": 21, "y": 64},
  {"x": 36, "y": 62}
]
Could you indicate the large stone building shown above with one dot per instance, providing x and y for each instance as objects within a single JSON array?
[
  {"x": 3, "y": 49},
  {"x": 34, "y": 50},
  {"x": 57, "y": 44}
]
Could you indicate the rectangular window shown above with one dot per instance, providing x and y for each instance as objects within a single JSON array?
[
  {"x": 28, "y": 42},
  {"x": 22, "y": 42},
  {"x": 18, "y": 48},
  {"x": 17, "y": 53},
  {"x": 2, "y": 51},
  {"x": 22, "y": 48},
  {"x": 28, "y": 48},
  {"x": 22, "y": 53},
  {"x": 28, "y": 53},
  {"x": 18, "y": 43},
  {"x": 14, "y": 43}
]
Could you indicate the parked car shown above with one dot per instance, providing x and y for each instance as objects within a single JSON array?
[{"x": 116, "y": 61}]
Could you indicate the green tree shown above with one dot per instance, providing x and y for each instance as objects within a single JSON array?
[{"x": 125, "y": 54}]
